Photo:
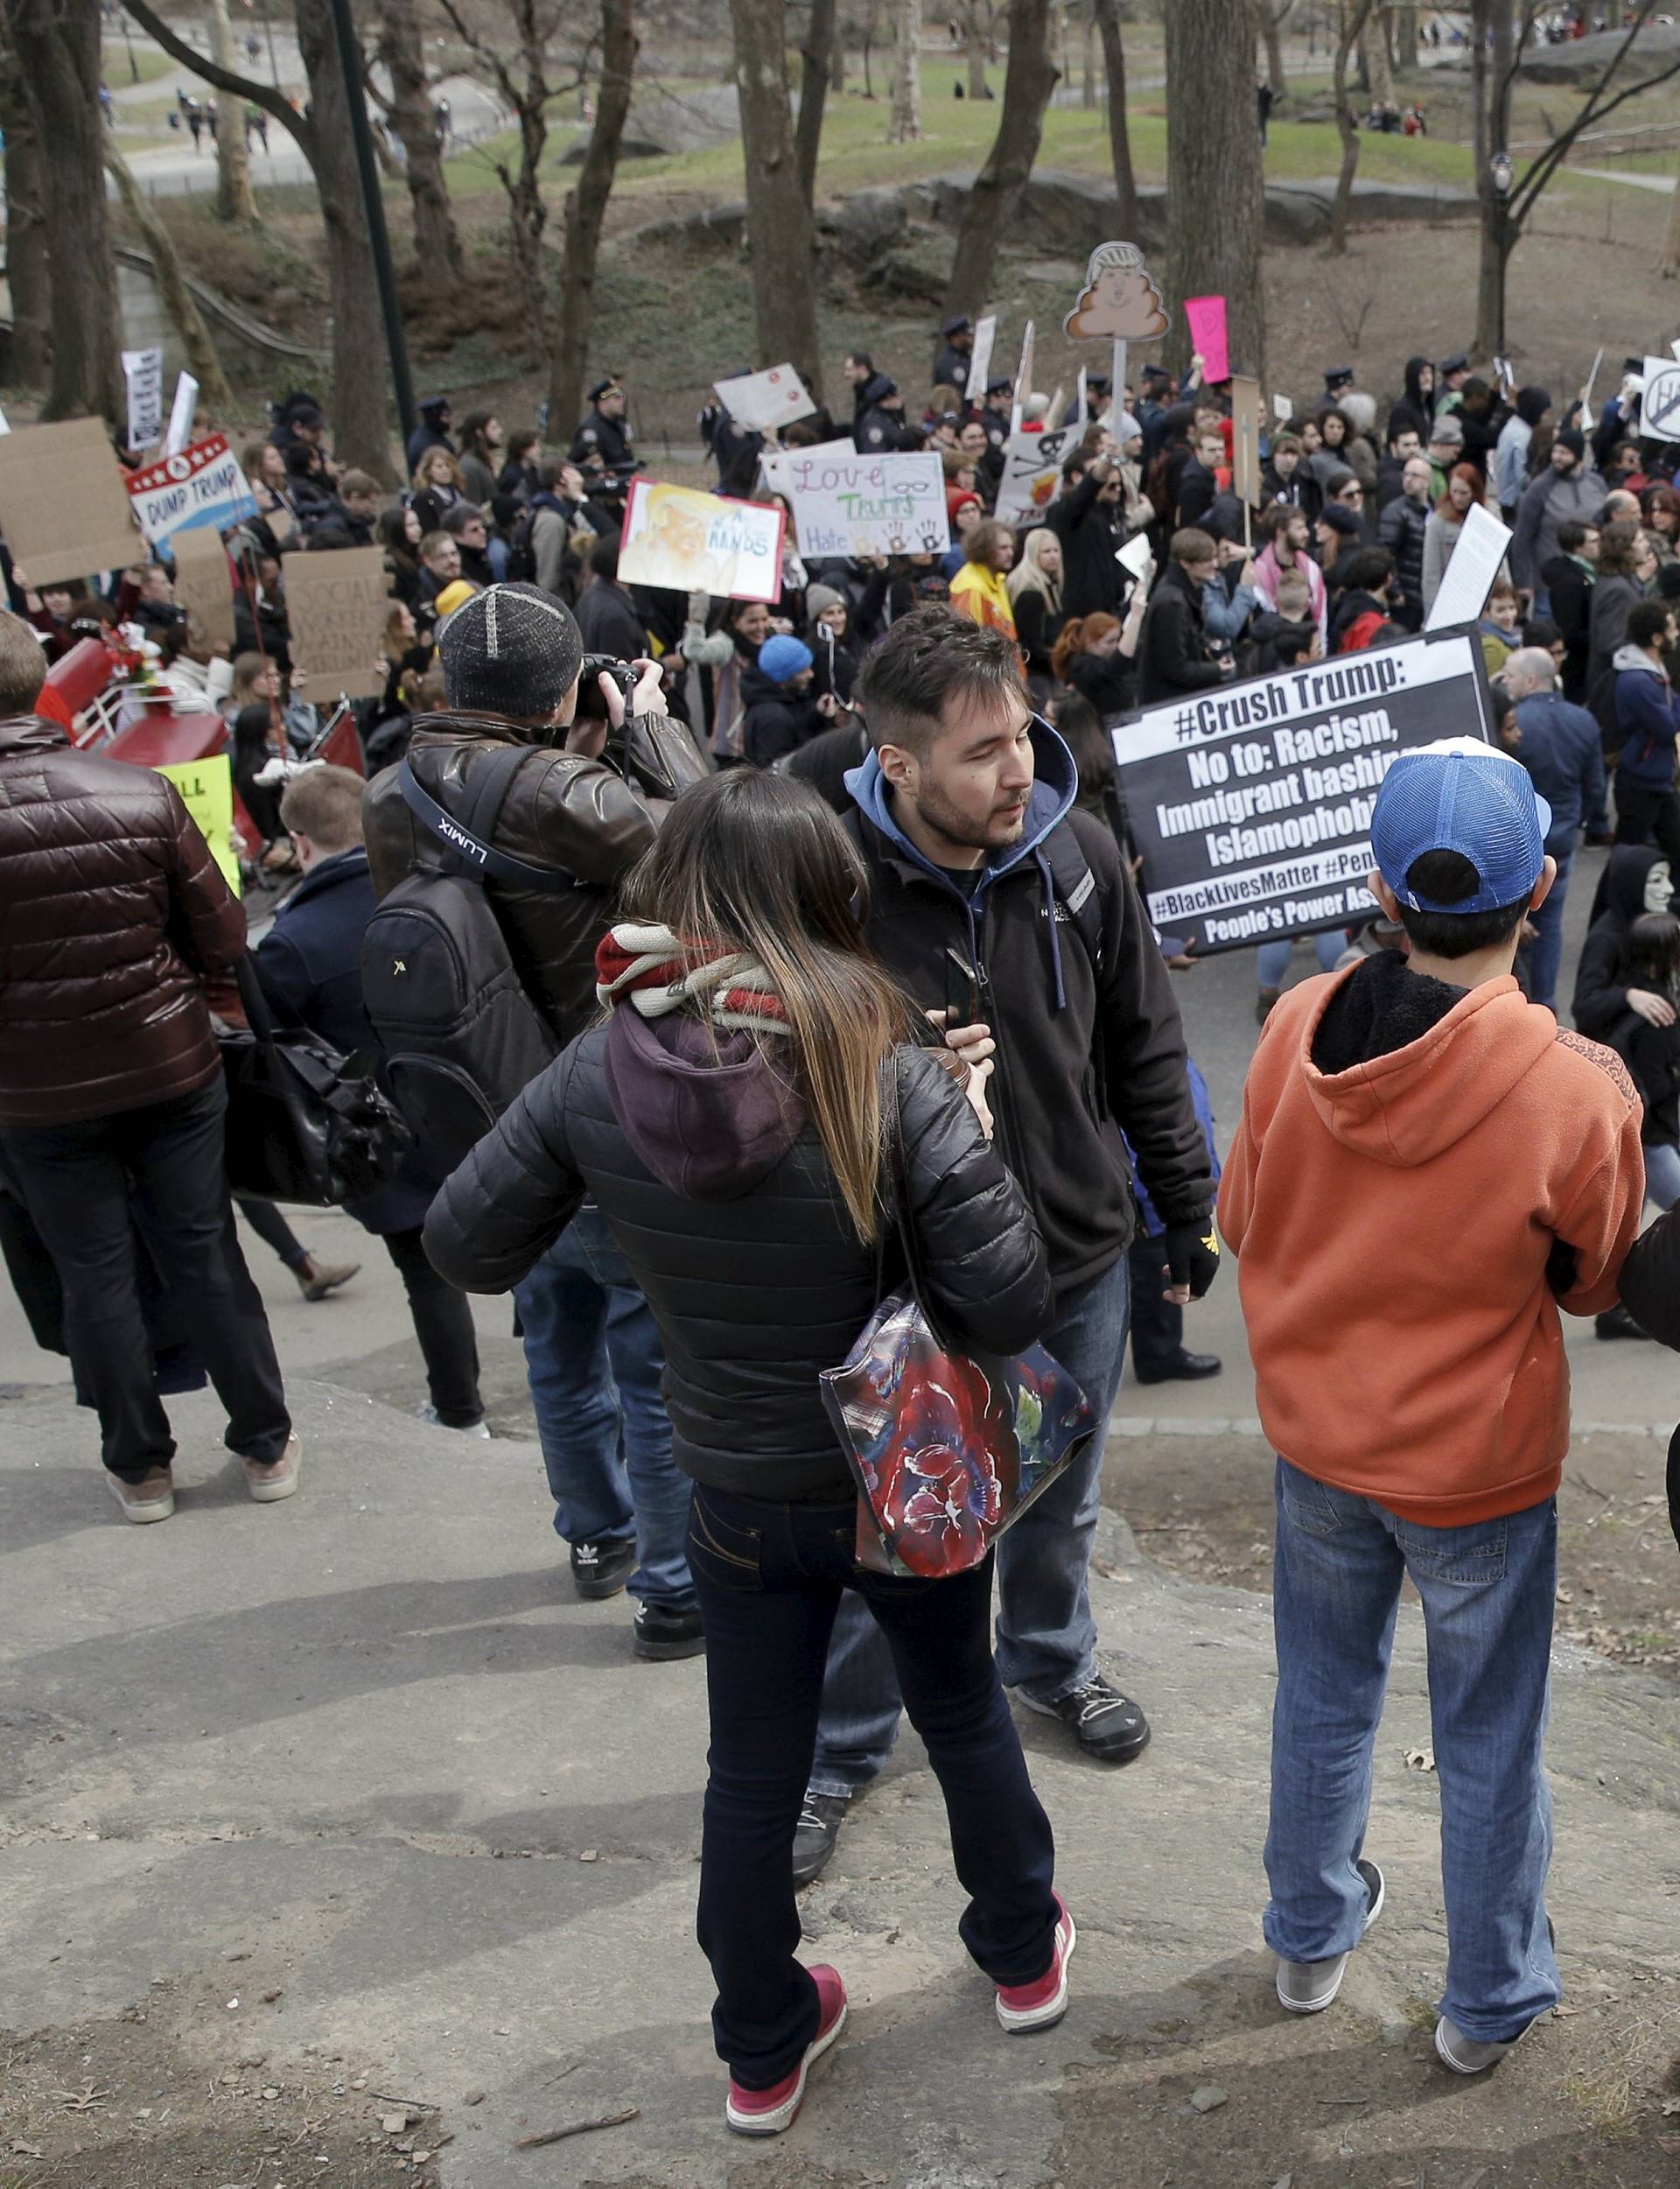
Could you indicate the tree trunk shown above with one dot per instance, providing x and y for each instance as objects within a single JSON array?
[
  {"x": 1374, "y": 45},
  {"x": 1114, "y": 59},
  {"x": 837, "y": 56},
  {"x": 233, "y": 200},
  {"x": 815, "y": 59},
  {"x": 1088, "y": 56},
  {"x": 1492, "y": 56},
  {"x": 975, "y": 40},
  {"x": 202, "y": 361},
  {"x": 904, "y": 122},
  {"x": 28, "y": 276},
  {"x": 1215, "y": 188},
  {"x": 436, "y": 242},
  {"x": 1351, "y": 37},
  {"x": 57, "y": 44},
  {"x": 1273, "y": 19},
  {"x": 1028, "y": 82},
  {"x": 586, "y": 211},
  {"x": 780, "y": 241},
  {"x": 1405, "y": 37},
  {"x": 1668, "y": 268}
]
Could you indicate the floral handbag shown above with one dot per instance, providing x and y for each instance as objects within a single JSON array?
[{"x": 949, "y": 1447}]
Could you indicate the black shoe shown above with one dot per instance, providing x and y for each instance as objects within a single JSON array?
[
  {"x": 601, "y": 1569},
  {"x": 1598, "y": 839},
  {"x": 1099, "y": 1718},
  {"x": 1183, "y": 1368},
  {"x": 816, "y": 1834},
  {"x": 662, "y": 1635},
  {"x": 1618, "y": 1324}
]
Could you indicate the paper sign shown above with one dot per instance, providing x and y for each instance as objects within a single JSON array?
[
  {"x": 774, "y": 462},
  {"x": 1117, "y": 377},
  {"x": 203, "y": 585},
  {"x": 1659, "y": 406},
  {"x": 1080, "y": 399},
  {"x": 1471, "y": 570},
  {"x": 337, "y": 604},
  {"x": 760, "y": 401},
  {"x": 985, "y": 334},
  {"x": 1119, "y": 299},
  {"x": 1247, "y": 417},
  {"x": 849, "y": 504},
  {"x": 279, "y": 521},
  {"x": 62, "y": 507},
  {"x": 691, "y": 541},
  {"x": 1205, "y": 317},
  {"x": 5, "y": 423},
  {"x": 1023, "y": 379},
  {"x": 181, "y": 416},
  {"x": 1675, "y": 346},
  {"x": 201, "y": 485},
  {"x": 206, "y": 788},
  {"x": 143, "y": 369},
  {"x": 1032, "y": 471},
  {"x": 1282, "y": 409},
  {"x": 1135, "y": 555}
]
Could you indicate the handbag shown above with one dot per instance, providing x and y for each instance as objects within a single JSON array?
[
  {"x": 306, "y": 1123},
  {"x": 949, "y": 1446}
]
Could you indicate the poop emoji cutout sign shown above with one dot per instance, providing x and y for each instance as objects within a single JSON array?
[{"x": 1119, "y": 301}]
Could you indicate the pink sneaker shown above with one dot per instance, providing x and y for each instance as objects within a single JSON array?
[
  {"x": 1037, "y": 2005},
  {"x": 769, "y": 2112}
]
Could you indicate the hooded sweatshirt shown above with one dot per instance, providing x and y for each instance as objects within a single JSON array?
[
  {"x": 1411, "y": 1158},
  {"x": 1648, "y": 717}
]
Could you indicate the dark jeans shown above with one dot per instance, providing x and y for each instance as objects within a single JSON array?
[
  {"x": 770, "y": 1579},
  {"x": 1648, "y": 817},
  {"x": 442, "y": 1322},
  {"x": 274, "y": 1231},
  {"x": 76, "y": 1181},
  {"x": 1157, "y": 1325}
]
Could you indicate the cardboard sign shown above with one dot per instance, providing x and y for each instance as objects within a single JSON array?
[
  {"x": 985, "y": 334},
  {"x": 201, "y": 485},
  {"x": 762, "y": 401},
  {"x": 62, "y": 507},
  {"x": 691, "y": 541},
  {"x": 181, "y": 415},
  {"x": 1247, "y": 420},
  {"x": 1659, "y": 405},
  {"x": 1205, "y": 317},
  {"x": 143, "y": 369},
  {"x": 849, "y": 504},
  {"x": 1251, "y": 804},
  {"x": 203, "y": 585},
  {"x": 206, "y": 788},
  {"x": 1119, "y": 301},
  {"x": 1033, "y": 472},
  {"x": 336, "y": 603},
  {"x": 1471, "y": 570}
]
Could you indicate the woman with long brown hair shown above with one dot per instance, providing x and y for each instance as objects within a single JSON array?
[{"x": 728, "y": 1119}]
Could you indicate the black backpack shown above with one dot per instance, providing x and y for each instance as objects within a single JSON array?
[
  {"x": 522, "y": 550},
  {"x": 462, "y": 1039}
]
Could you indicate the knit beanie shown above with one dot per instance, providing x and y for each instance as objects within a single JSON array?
[
  {"x": 510, "y": 650},
  {"x": 820, "y": 597},
  {"x": 783, "y": 657},
  {"x": 1126, "y": 428}
]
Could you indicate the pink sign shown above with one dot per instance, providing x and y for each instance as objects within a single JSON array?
[{"x": 1206, "y": 318}]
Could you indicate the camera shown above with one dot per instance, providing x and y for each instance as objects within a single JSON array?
[{"x": 591, "y": 708}]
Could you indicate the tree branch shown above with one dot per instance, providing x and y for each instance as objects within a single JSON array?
[{"x": 257, "y": 94}]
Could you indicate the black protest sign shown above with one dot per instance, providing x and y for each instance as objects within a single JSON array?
[{"x": 1251, "y": 802}]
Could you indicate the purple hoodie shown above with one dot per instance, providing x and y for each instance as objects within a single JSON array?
[{"x": 701, "y": 1107}]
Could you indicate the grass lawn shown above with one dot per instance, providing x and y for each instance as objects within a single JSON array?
[{"x": 149, "y": 63}]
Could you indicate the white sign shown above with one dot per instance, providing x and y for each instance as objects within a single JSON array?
[
  {"x": 1282, "y": 409},
  {"x": 762, "y": 401},
  {"x": 143, "y": 371},
  {"x": 181, "y": 416},
  {"x": 774, "y": 461},
  {"x": 1471, "y": 570},
  {"x": 1080, "y": 399},
  {"x": 201, "y": 485},
  {"x": 1659, "y": 405},
  {"x": 849, "y": 504},
  {"x": 1135, "y": 555},
  {"x": 1023, "y": 379},
  {"x": 1033, "y": 472},
  {"x": 6, "y": 424},
  {"x": 985, "y": 334}
]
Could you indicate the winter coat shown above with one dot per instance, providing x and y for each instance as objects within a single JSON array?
[
  {"x": 1174, "y": 655},
  {"x": 779, "y": 718},
  {"x": 1268, "y": 570},
  {"x": 1562, "y": 752},
  {"x": 111, "y": 908},
  {"x": 609, "y": 622},
  {"x": 1400, "y": 529},
  {"x": 609, "y": 439},
  {"x": 1107, "y": 680},
  {"x": 1090, "y": 532},
  {"x": 1551, "y": 500},
  {"x": 1612, "y": 602},
  {"x": 1440, "y": 538},
  {"x": 1600, "y": 998},
  {"x": 1648, "y": 721},
  {"x": 1569, "y": 584}
]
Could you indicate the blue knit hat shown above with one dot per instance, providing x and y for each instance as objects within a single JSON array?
[{"x": 784, "y": 657}]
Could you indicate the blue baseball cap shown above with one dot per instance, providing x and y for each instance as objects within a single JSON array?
[
  {"x": 784, "y": 656},
  {"x": 1461, "y": 795}
]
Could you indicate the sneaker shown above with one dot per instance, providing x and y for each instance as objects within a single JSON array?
[
  {"x": 1100, "y": 1719},
  {"x": 269, "y": 1483},
  {"x": 429, "y": 1413},
  {"x": 769, "y": 2112},
  {"x": 1463, "y": 2054},
  {"x": 663, "y": 1634},
  {"x": 316, "y": 1280},
  {"x": 600, "y": 1569},
  {"x": 817, "y": 1834},
  {"x": 1036, "y": 2006},
  {"x": 150, "y": 1499},
  {"x": 1308, "y": 1987}
]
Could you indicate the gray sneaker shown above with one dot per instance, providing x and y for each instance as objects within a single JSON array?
[
  {"x": 1308, "y": 1987},
  {"x": 1463, "y": 2054}
]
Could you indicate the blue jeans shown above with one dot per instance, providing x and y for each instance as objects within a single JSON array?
[
  {"x": 593, "y": 1356},
  {"x": 770, "y": 1579},
  {"x": 1271, "y": 959},
  {"x": 1488, "y": 1592},
  {"x": 1663, "y": 1175},
  {"x": 1546, "y": 958},
  {"x": 1047, "y": 1637}
]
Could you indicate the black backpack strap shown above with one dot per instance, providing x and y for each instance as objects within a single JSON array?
[
  {"x": 469, "y": 837},
  {"x": 1075, "y": 887}
]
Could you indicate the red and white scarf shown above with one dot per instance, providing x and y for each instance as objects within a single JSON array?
[{"x": 651, "y": 969}]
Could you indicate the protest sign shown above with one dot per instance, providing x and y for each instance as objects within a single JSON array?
[
  {"x": 1251, "y": 804},
  {"x": 1023, "y": 379},
  {"x": 1135, "y": 555},
  {"x": 337, "y": 607},
  {"x": 62, "y": 507},
  {"x": 5, "y": 423},
  {"x": 181, "y": 415},
  {"x": 1248, "y": 418},
  {"x": 1282, "y": 409},
  {"x": 143, "y": 369},
  {"x": 206, "y": 788},
  {"x": 201, "y": 485},
  {"x": 1471, "y": 570},
  {"x": 761, "y": 400},
  {"x": 985, "y": 334},
  {"x": 775, "y": 462},
  {"x": 691, "y": 541},
  {"x": 1119, "y": 299},
  {"x": 1032, "y": 471},
  {"x": 848, "y": 504},
  {"x": 1659, "y": 405},
  {"x": 204, "y": 585},
  {"x": 1205, "y": 316}
]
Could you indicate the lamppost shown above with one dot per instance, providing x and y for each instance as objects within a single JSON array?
[{"x": 1502, "y": 174}]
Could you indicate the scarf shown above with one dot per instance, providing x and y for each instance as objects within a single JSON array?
[{"x": 658, "y": 973}]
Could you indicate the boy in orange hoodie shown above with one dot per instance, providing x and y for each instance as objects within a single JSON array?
[{"x": 1427, "y": 1168}]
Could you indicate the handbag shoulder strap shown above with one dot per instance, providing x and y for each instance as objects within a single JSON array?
[
  {"x": 470, "y": 837},
  {"x": 896, "y": 1169}
]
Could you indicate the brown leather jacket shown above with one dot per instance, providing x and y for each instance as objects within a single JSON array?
[
  {"x": 562, "y": 811},
  {"x": 110, "y": 908}
]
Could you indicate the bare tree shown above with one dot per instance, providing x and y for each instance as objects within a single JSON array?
[
  {"x": 976, "y": 39},
  {"x": 779, "y": 234},
  {"x": 1028, "y": 82},
  {"x": 1273, "y": 16},
  {"x": 1668, "y": 268},
  {"x": 28, "y": 272},
  {"x": 585, "y": 212},
  {"x": 904, "y": 122},
  {"x": 57, "y": 46},
  {"x": 1350, "y": 34},
  {"x": 1114, "y": 62},
  {"x": 233, "y": 201},
  {"x": 1374, "y": 52},
  {"x": 1215, "y": 188},
  {"x": 202, "y": 361},
  {"x": 410, "y": 112},
  {"x": 817, "y": 55}
]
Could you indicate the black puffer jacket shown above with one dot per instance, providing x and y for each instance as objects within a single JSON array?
[
  {"x": 720, "y": 1195},
  {"x": 1174, "y": 656}
]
